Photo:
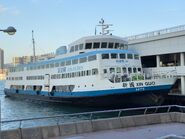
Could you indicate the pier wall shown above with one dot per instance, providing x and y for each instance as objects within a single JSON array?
[{"x": 46, "y": 132}]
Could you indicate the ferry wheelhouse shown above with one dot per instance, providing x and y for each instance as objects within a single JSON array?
[{"x": 96, "y": 70}]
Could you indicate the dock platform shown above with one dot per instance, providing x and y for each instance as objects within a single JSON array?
[{"x": 156, "y": 131}]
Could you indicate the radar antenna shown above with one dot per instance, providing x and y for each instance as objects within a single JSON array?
[{"x": 104, "y": 27}]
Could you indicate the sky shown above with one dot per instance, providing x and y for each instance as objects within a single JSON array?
[{"x": 60, "y": 22}]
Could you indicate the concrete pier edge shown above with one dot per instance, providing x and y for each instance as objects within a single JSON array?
[{"x": 86, "y": 126}]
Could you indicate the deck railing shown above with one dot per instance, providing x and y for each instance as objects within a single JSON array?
[
  {"x": 68, "y": 118},
  {"x": 157, "y": 33}
]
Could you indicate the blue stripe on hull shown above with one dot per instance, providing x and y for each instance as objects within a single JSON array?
[{"x": 92, "y": 93}]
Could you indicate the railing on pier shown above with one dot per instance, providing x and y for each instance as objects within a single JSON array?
[
  {"x": 68, "y": 118},
  {"x": 157, "y": 33}
]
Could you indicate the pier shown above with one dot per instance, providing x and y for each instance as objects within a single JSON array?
[
  {"x": 162, "y": 51},
  {"x": 146, "y": 121}
]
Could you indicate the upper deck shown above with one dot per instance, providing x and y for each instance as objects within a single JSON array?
[
  {"x": 84, "y": 47},
  {"x": 98, "y": 42}
]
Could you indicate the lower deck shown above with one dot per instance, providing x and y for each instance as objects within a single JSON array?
[{"x": 116, "y": 97}]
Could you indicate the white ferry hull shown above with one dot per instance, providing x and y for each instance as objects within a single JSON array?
[{"x": 112, "y": 97}]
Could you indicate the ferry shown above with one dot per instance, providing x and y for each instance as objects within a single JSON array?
[{"x": 96, "y": 70}]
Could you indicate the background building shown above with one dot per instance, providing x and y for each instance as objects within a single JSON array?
[
  {"x": 163, "y": 51},
  {"x": 29, "y": 59},
  {"x": 1, "y": 58},
  {"x": 2, "y": 70}
]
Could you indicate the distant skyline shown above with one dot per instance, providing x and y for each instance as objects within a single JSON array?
[{"x": 60, "y": 22}]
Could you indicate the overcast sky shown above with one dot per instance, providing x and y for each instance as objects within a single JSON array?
[{"x": 59, "y": 22}]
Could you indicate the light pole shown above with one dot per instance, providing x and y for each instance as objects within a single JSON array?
[{"x": 9, "y": 30}]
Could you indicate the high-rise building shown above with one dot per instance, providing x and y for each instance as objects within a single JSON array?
[{"x": 1, "y": 58}]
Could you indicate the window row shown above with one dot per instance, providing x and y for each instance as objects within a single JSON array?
[
  {"x": 14, "y": 78},
  {"x": 76, "y": 48},
  {"x": 64, "y": 63},
  {"x": 110, "y": 45},
  {"x": 28, "y": 87},
  {"x": 120, "y": 56},
  {"x": 20, "y": 87},
  {"x": 63, "y": 88},
  {"x": 75, "y": 74},
  {"x": 119, "y": 70},
  {"x": 17, "y": 69},
  {"x": 40, "y": 77},
  {"x": 34, "y": 87}
]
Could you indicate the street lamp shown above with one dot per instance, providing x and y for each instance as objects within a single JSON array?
[{"x": 9, "y": 30}]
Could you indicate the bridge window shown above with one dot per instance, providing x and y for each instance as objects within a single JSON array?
[
  {"x": 47, "y": 66},
  {"x": 139, "y": 69},
  {"x": 34, "y": 67},
  {"x": 112, "y": 70},
  {"x": 129, "y": 56},
  {"x": 82, "y": 73},
  {"x": 81, "y": 47},
  {"x": 91, "y": 58},
  {"x": 124, "y": 70},
  {"x": 88, "y": 72},
  {"x": 114, "y": 56},
  {"x": 121, "y": 46},
  {"x": 116, "y": 45},
  {"x": 111, "y": 45},
  {"x": 105, "y": 56},
  {"x": 37, "y": 87},
  {"x": 68, "y": 62},
  {"x": 103, "y": 45},
  {"x": 118, "y": 70},
  {"x": 136, "y": 56},
  {"x": 72, "y": 49},
  {"x": 96, "y": 45},
  {"x": 134, "y": 70},
  {"x": 129, "y": 70},
  {"x": 73, "y": 74},
  {"x": 88, "y": 45},
  {"x": 75, "y": 61},
  {"x": 94, "y": 71},
  {"x": 62, "y": 64},
  {"x": 104, "y": 71},
  {"x": 42, "y": 66},
  {"x": 76, "y": 47},
  {"x": 122, "y": 56},
  {"x": 56, "y": 64},
  {"x": 52, "y": 65},
  {"x": 126, "y": 46},
  {"x": 84, "y": 59},
  {"x": 39, "y": 67}
]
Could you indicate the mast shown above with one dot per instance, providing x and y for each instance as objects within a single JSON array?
[
  {"x": 104, "y": 27},
  {"x": 33, "y": 41}
]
